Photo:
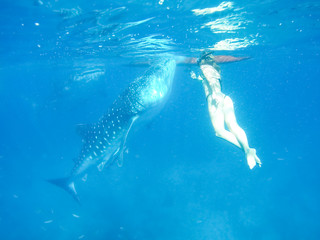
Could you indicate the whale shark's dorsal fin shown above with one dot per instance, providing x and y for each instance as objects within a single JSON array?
[{"x": 84, "y": 130}]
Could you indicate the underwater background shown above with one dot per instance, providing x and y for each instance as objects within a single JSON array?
[{"x": 64, "y": 62}]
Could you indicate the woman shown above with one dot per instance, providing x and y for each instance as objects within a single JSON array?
[{"x": 221, "y": 108}]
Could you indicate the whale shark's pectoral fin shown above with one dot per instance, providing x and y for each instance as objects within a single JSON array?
[
  {"x": 120, "y": 159},
  {"x": 101, "y": 165},
  {"x": 108, "y": 161},
  {"x": 120, "y": 151}
]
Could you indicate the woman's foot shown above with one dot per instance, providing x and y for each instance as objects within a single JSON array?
[{"x": 252, "y": 158}]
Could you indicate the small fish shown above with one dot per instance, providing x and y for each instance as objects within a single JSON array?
[
  {"x": 48, "y": 221},
  {"x": 75, "y": 215}
]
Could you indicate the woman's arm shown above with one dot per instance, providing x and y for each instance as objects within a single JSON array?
[{"x": 217, "y": 58}]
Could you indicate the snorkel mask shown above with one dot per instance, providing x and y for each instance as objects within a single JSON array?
[{"x": 206, "y": 57}]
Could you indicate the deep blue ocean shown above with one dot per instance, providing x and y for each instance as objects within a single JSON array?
[{"x": 64, "y": 62}]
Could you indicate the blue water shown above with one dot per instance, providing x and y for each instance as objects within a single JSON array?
[{"x": 64, "y": 62}]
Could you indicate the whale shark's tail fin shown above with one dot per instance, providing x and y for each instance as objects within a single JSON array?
[{"x": 68, "y": 185}]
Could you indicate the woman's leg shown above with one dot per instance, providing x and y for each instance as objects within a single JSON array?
[
  {"x": 217, "y": 119},
  {"x": 231, "y": 122},
  {"x": 239, "y": 133}
]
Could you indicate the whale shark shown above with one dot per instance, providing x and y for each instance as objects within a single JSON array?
[{"x": 104, "y": 141}]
